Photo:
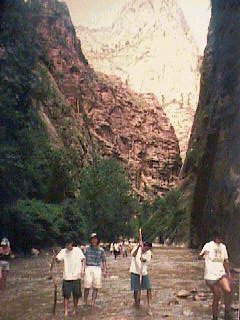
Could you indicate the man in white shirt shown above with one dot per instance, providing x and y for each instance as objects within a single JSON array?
[
  {"x": 74, "y": 264},
  {"x": 141, "y": 256},
  {"x": 217, "y": 274}
]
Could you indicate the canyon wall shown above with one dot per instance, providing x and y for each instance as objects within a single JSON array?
[
  {"x": 212, "y": 163},
  {"x": 118, "y": 122},
  {"x": 150, "y": 47}
]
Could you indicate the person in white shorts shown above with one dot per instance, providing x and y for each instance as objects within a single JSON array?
[
  {"x": 95, "y": 260},
  {"x": 217, "y": 273}
]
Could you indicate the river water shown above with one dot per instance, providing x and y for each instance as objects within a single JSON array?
[{"x": 29, "y": 293}]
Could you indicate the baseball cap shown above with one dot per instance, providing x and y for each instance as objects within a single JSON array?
[{"x": 5, "y": 242}]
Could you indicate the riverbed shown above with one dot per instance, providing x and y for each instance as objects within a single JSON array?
[{"x": 29, "y": 293}]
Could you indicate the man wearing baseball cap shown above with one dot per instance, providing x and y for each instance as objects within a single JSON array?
[{"x": 95, "y": 261}]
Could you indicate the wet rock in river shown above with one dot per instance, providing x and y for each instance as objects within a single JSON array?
[
  {"x": 183, "y": 293},
  {"x": 173, "y": 302},
  {"x": 200, "y": 297}
]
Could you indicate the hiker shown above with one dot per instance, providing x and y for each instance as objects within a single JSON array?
[
  {"x": 111, "y": 248},
  {"x": 141, "y": 256},
  {"x": 217, "y": 273},
  {"x": 124, "y": 249},
  {"x": 74, "y": 264},
  {"x": 95, "y": 262},
  {"x": 116, "y": 249},
  {"x": 5, "y": 255}
]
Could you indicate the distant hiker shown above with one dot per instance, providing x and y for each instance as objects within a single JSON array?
[
  {"x": 74, "y": 264},
  {"x": 95, "y": 262},
  {"x": 116, "y": 249},
  {"x": 124, "y": 249},
  {"x": 5, "y": 255},
  {"x": 111, "y": 248},
  {"x": 217, "y": 274},
  {"x": 141, "y": 256}
]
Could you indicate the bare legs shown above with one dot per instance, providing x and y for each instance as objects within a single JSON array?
[
  {"x": 66, "y": 302},
  {"x": 3, "y": 279},
  {"x": 75, "y": 303},
  {"x": 222, "y": 285},
  {"x": 137, "y": 299},
  {"x": 149, "y": 300},
  {"x": 86, "y": 294},
  {"x": 94, "y": 296}
]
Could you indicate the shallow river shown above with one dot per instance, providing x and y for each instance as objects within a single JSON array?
[{"x": 29, "y": 293}]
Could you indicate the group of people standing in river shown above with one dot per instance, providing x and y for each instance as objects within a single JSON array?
[{"x": 91, "y": 265}]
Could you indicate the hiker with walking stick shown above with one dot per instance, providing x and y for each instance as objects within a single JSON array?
[
  {"x": 217, "y": 273},
  {"x": 74, "y": 264},
  {"x": 141, "y": 256}
]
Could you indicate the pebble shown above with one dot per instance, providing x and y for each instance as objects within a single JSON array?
[
  {"x": 200, "y": 297},
  {"x": 183, "y": 293},
  {"x": 173, "y": 302},
  {"x": 235, "y": 306}
]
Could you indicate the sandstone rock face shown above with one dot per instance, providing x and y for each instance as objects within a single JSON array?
[
  {"x": 151, "y": 49},
  {"x": 120, "y": 123},
  {"x": 214, "y": 155}
]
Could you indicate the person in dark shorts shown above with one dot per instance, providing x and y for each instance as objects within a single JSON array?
[
  {"x": 141, "y": 256},
  {"x": 74, "y": 264},
  {"x": 217, "y": 274}
]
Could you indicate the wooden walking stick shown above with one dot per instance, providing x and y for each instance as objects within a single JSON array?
[
  {"x": 237, "y": 271},
  {"x": 141, "y": 265},
  {"x": 54, "y": 282},
  {"x": 140, "y": 241},
  {"x": 239, "y": 296}
]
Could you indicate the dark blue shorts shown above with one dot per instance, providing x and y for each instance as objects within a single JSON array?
[
  {"x": 135, "y": 282},
  {"x": 71, "y": 287}
]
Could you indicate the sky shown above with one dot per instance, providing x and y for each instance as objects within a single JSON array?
[{"x": 101, "y": 13}]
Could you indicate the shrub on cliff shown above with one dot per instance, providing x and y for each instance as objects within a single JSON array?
[{"x": 165, "y": 218}]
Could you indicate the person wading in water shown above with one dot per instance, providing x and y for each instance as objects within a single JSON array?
[
  {"x": 5, "y": 255},
  {"x": 217, "y": 273},
  {"x": 74, "y": 263},
  {"x": 95, "y": 259},
  {"x": 141, "y": 256}
]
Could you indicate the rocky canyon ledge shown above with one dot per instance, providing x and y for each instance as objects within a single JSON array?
[
  {"x": 121, "y": 124},
  {"x": 151, "y": 48}
]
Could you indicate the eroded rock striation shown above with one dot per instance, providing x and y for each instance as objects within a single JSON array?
[
  {"x": 119, "y": 123},
  {"x": 150, "y": 47},
  {"x": 213, "y": 157}
]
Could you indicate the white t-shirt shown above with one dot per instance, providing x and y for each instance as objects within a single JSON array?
[
  {"x": 116, "y": 246},
  {"x": 214, "y": 256},
  {"x": 136, "y": 263},
  {"x": 72, "y": 263}
]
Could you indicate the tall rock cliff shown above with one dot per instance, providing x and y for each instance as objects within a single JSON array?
[
  {"x": 150, "y": 47},
  {"x": 214, "y": 155},
  {"x": 116, "y": 121}
]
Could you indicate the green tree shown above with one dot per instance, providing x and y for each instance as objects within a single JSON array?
[
  {"x": 166, "y": 218},
  {"x": 106, "y": 200}
]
